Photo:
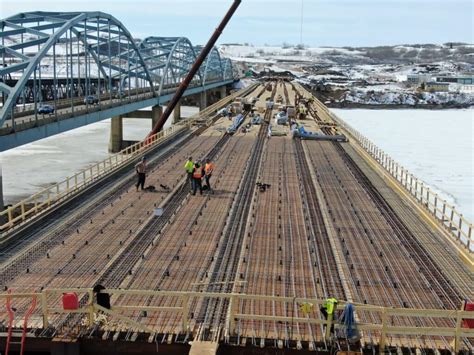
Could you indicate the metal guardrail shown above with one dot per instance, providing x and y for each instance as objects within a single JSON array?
[
  {"x": 446, "y": 214},
  {"x": 58, "y": 192},
  {"x": 50, "y": 306},
  {"x": 46, "y": 198}
]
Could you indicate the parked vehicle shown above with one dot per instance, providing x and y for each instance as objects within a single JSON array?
[
  {"x": 46, "y": 109},
  {"x": 91, "y": 100}
]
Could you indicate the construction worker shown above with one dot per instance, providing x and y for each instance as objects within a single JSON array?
[
  {"x": 328, "y": 308},
  {"x": 140, "y": 168},
  {"x": 208, "y": 170},
  {"x": 198, "y": 174},
  {"x": 189, "y": 167}
]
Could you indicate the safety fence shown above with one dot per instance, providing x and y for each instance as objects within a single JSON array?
[
  {"x": 72, "y": 185},
  {"x": 58, "y": 192},
  {"x": 448, "y": 216},
  {"x": 180, "y": 307},
  {"x": 444, "y": 212}
]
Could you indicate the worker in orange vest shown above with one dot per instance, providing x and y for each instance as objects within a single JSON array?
[
  {"x": 208, "y": 170},
  {"x": 198, "y": 174}
]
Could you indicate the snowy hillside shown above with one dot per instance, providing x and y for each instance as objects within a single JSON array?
[{"x": 365, "y": 76}]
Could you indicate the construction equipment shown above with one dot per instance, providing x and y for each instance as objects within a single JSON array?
[
  {"x": 291, "y": 111},
  {"x": 281, "y": 118},
  {"x": 304, "y": 134},
  {"x": 235, "y": 124},
  {"x": 11, "y": 316}
]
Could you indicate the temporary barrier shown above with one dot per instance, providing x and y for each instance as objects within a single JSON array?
[{"x": 306, "y": 312}]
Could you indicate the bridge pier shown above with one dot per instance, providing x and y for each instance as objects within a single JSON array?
[
  {"x": 203, "y": 100},
  {"x": 2, "y": 206},
  {"x": 177, "y": 113},
  {"x": 116, "y": 134},
  {"x": 156, "y": 112},
  {"x": 223, "y": 92}
]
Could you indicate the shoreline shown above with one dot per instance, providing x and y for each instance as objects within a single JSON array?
[{"x": 396, "y": 107}]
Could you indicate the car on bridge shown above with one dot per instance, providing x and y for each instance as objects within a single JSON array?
[
  {"x": 46, "y": 109},
  {"x": 91, "y": 100},
  {"x": 118, "y": 93}
]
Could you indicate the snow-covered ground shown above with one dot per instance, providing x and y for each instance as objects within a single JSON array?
[
  {"x": 368, "y": 76},
  {"x": 436, "y": 146},
  {"x": 31, "y": 167}
]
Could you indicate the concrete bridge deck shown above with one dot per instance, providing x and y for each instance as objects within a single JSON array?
[{"x": 329, "y": 225}]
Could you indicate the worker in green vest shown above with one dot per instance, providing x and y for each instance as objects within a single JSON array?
[
  {"x": 328, "y": 308},
  {"x": 189, "y": 167}
]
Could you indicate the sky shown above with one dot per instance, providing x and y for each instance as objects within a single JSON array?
[{"x": 272, "y": 22}]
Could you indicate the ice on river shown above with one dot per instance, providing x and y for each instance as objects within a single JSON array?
[
  {"x": 437, "y": 146},
  {"x": 31, "y": 167}
]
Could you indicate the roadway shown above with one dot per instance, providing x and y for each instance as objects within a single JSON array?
[{"x": 75, "y": 113}]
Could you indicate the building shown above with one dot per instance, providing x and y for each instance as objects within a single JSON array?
[
  {"x": 467, "y": 79},
  {"x": 436, "y": 86},
  {"x": 417, "y": 79}
]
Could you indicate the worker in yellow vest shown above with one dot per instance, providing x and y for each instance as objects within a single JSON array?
[
  {"x": 328, "y": 308},
  {"x": 189, "y": 168}
]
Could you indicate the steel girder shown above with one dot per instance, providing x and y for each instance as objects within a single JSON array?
[
  {"x": 27, "y": 39},
  {"x": 71, "y": 41},
  {"x": 212, "y": 69},
  {"x": 169, "y": 60}
]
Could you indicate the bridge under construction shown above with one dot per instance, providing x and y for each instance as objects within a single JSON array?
[{"x": 291, "y": 222}]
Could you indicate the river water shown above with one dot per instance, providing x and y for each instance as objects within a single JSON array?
[
  {"x": 31, "y": 167},
  {"x": 437, "y": 146}
]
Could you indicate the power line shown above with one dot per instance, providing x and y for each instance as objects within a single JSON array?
[{"x": 301, "y": 23}]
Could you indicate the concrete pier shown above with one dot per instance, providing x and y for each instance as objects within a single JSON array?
[
  {"x": 177, "y": 113},
  {"x": 223, "y": 92},
  {"x": 2, "y": 206},
  {"x": 116, "y": 134},
  {"x": 203, "y": 100},
  {"x": 156, "y": 112}
]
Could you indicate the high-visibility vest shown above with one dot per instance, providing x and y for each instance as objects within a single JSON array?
[
  {"x": 189, "y": 166},
  {"x": 330, "y": 304},
  {"x": 197, "y": 174},
  {"x": 209, "y": 168}
]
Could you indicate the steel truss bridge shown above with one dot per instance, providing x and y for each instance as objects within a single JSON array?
[{"x": 60, "y": 58}]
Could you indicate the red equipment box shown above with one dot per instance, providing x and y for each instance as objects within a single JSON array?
[{"x": 70, "y": 301}]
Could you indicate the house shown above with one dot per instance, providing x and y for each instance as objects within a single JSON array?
[
  {"x": 436, "y": 86},
  {"x": 417, "y": 79}
]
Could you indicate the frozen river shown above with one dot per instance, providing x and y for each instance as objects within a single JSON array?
[
  {"x": 436, "y": 146},
  {"x": 29, "y": 168}
]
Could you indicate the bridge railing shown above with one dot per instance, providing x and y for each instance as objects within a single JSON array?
[
  {"x": 140, "y": 311},
  {"x": 445, "y": 213},
  {"x": 48, "y": 197},
  {"x": 51, "y": 195}
]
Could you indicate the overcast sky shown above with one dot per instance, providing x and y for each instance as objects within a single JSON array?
[{"x": 325, "y": 22}]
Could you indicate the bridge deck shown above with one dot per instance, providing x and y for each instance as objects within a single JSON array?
[{"x": 327, "y": 225}]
